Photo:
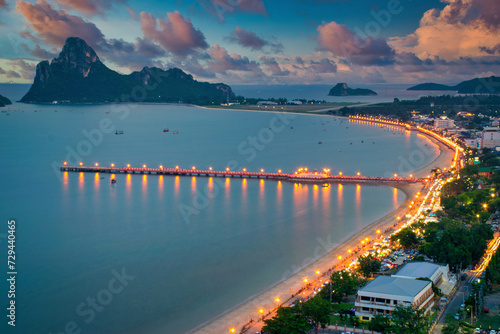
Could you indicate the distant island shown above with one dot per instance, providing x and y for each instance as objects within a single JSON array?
[
  {"x": 4, "y": 101},
  {"x": 488, "y": 85},
  {"x": 341, "y": 89},
  {"x": 78, "y": 76}
]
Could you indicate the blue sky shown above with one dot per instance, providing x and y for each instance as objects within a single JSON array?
[{"x": 261, "y": 41}]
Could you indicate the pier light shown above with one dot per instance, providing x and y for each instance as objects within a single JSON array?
[
  {"x": 65, "y": 163},
  {"x": 209, "y": 168},
  {"x": 128, "y": 165},
  {"x": 227, "y": 169},
  {"x": 358, "y": 173},
  {"x": 194, "y": 167},
  {"x": 176, "y": 167},
  {"x": 279, "y": 171},
  {"x": 295, "y": 173},
  {"x": 305, "y": 169},
  {"x": 112, "y": 165},
  {"x": 161, "y": 166},
  {"x": 143, "y": 166},
  {"x": 315, "y": 173},
  {"x": 340, "y": 173},
  {"x": 244, "y": 169},
  {"x": 81, "y": 163},
  {"x": 262, "y": 170},
  {"x": 395, "y": 175},
  {"x": 96, "y": 164},
  {"x": 411, "y": 175}
]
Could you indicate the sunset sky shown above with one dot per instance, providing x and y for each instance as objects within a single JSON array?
[{"x": 263, "y": 41}]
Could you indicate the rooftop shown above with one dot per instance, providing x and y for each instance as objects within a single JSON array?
[
  {"x": 418, "y": 269},
  {"x": 395, "y": 286}
]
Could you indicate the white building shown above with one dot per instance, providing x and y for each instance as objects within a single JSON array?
[
  {"x": 473, "y": 142},
  {"x": 444, "y": 122},
  {"x": 384, "y": 293},
  {"x": 490, "y": 138}
]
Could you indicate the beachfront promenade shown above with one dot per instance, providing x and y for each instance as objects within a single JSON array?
[{"x": 299, "y": 176}]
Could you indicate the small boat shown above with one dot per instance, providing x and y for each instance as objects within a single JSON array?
[
  {"x": 291, "y": 127},
  {"x": 119, "y": 132},
  {"x": 166, "y": 130},
  {"x": 113, "y": 181},
  {"x": 102, "y": 177},
  {"x": 320, "y": 142},
  {"x": 339, "y": 151},
  {"x": 175, "y": 132}
]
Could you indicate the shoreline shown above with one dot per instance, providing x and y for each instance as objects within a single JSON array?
[{"x": 238, "y": 316}]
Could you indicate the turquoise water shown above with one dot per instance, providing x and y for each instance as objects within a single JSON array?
[{"x": 190, "y": 248}]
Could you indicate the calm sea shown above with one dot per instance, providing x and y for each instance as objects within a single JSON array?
[{"x": 153, "y": 254}]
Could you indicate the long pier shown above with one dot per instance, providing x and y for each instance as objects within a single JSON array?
[{"x": 299, "y": 176}]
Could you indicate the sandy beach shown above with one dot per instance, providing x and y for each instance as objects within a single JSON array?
[{"x": 325, "y": 259}]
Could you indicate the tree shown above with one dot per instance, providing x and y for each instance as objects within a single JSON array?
[
  {"x": 317, "y": 310},
  {"x": 288, "y": 320},
  {"x": 451, "y": 326},
  {"x": 380, "y": 324},
  {"x": 343, "y": 284},
  {"x": 406, "y": 319},
  {"x": 368, "y": 264},
  {"x": 406, "y": 238}
]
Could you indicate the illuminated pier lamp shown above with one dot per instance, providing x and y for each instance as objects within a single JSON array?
[
  {"x": 340, "y": 173},
  {"x": 358, "y": 173},
  {"x": 194, "y": 167},
  {"x": 128, "y": 165},
  {"x": 65, "y": 163},
  {"x": 279, "y": 171},
  {"x": 395, "y": 175},
  {"x": 209, "y": 168},
  {"x": 112, "y": 165},
  {"x": 143, "y": 166},
  {"x": 262, "y": 170},
  {"x": 96, "y": 164},
  {"x": 176, "y": 167},
  {"x": 81, "y": 163},
  {"x": 161, "y": 166},
  {"x": 227, "y": 169},
  {"x": 244, "y": 169}
]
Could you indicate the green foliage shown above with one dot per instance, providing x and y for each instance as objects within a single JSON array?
[
  {"x": 343, "y": 284},
  {"x": 406, "y": 238},
  {"x": 368, "y": 264},
  {"x": 288, "y": 320},
  {"x": 451, "y": 326},
  {"x": 380, "y": 324},
  {"x": 317, "y": 310},
  {"x": 406, "y": 319}
]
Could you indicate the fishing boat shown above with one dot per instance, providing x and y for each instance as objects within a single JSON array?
[
  {"x": 166, "y": 130},
  {"x": 113, "y": 181},
  {"x": 119, "y": 132},
  {"x": 175, "y": 132}
]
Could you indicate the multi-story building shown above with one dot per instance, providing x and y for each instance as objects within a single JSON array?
[
  {"x": 384, "y": 293},
  {"x": 444, "y": 122},
  {"x": 490, "y": 138}
]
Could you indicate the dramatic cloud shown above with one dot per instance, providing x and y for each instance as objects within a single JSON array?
[
  {"x": 249, "y": 39},
  {"x": 22, "y": 69},
  {"x": 463, "y": 28},
  {"x": 38, "y": 52},
  {"x": 323, "y": 66},
  {"x": 89, "y": 7},
  {"x": 274, "y": 67},
  {"x": 220, "y": 8},
  {"x": 55, "y": 26},
  {"x": 343, "y": 43},
  {"x": 222, "y": 61},
  {"x": 177, "y": 35},
  {"x": 491, "y": 51}
]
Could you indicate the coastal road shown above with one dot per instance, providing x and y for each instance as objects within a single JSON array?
[{"x": 337, "y": 108}]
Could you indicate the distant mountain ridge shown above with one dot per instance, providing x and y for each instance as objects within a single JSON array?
[
  {"x": 4, "y": 101},
  {"x": 488, "y": 85},
  {"x": 341, "y": 89},
  {"x": 78, "y": 76}
]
